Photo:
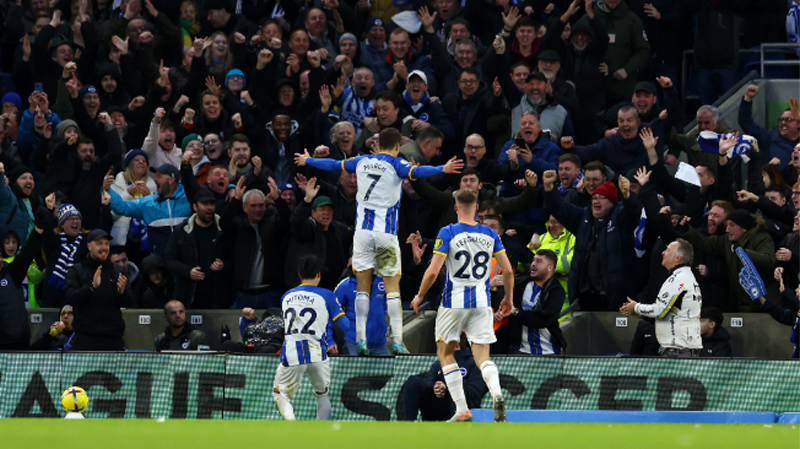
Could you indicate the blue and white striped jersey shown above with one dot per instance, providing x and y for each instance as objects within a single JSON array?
[
  {"x": 380, "y": 186},
  {"x": 536, "y": 341},
  {"x": 468, "y": 249},
  {"x": 353, "y": 109},
  {"x": 306, "y": 312}
]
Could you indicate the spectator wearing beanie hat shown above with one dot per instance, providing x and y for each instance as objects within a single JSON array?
[
  {"x": 748, "y": 232},
  {"x": 374, "y": 45},
  {"x": 11, "y": 103},
  {"x": 604, "y": 256},
  {"x": 134, "y": 182},
  {"x": 194, "y": 155}
]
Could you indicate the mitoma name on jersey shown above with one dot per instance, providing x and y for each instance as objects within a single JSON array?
[
  {"x": 481, "y": 239},
  {"x": 300, "y": 298}
]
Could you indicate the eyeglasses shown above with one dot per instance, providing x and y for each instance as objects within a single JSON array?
[
  {"x": 796, "y": 193},
  {"x": 473, "y": 147},
  {"x": 194, "y": 145},
  {"x": 785, "y": 120}
]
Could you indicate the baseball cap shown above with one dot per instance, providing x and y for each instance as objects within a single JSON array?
[
  {"x": 96, "y": 235},
  {"x": 321, "y": 200},
  {"x": 167, "y": 169},
  {"x": 420, "y": 74},
  {"x": 87, "y": 89},
  {"x": 550, "y": 55},
  {"x": 536, "y": 75},
  {"x": 645, "y": 86},
  {"x": 204, "y": 195}
]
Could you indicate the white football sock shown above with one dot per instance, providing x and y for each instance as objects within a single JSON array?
[
  {"x": 323, "y": 406},
  {"x": 362, "y": 310},
  {"x": 492, "y": 378},
  {"x": 455, "y": 385},
  {"x": 394, "y": 308}
]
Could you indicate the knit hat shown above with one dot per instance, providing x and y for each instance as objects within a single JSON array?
[
  {"x": 348, "y": 37},
  {"x": 190, "y": 138},
  {"x": 133, "y": 153},
  {"x": 66, "y": 211},
  {"x": 373, "y": 22},
  {"x": 608, "y": 190},
  {"x": 12, "y": 97},
  {"x": 235, "y": 72},
  {"x": 18, "y": 171},
  {"x": 62, "y": 127},
  {"x": 742, "y": 218},
  {"x": 86, "y": 89}
]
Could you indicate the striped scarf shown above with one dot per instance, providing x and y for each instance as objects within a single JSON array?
[
  {"x": 65, "y": 260},
  {"x": 564, "y": 191}
]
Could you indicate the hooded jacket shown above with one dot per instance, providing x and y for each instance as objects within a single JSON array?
[
  {"x": 627, "y": 49},
  {"x": 150, "y": 295},
  {"x": 119, "y": 97},
  {"x": 13, "y": 316},
  {"x": 759, "y": 248},
  {"x": 162, "y": 215},
  {"x": 717, "y": 344}
]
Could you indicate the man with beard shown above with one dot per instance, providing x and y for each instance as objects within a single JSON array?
[
  {"x": 603, "y": 242},
  {"x": 624, "y": 150},
  {"x": 180, "y": 335},
  {"x": 63, "y": 244},
  {"x": 553, "y": 117},
  {"x": 17, "y": 201},
  {"x": 162, "y": 150},
  {"x": 282, "y": 142},
  {"x": 644, "y": 99},
  {"x": 538, "y": 298},
  {"x": 95, "y": 288},
  {"x": 776, "y": 145},
  {"x": 474, "y": 155},
  {"x": 217, "y": 183},
  {"x": 469, "y": 108},
  {"x": 193, "y": 256},
  {"x": 427, "y": 146},
  {"x": 162, "y": 212},
  {"x": 417, "y": 103},
  {"x": 243, "y": 165},
  {"x": 255, "y": 239},
  {"x": 582, "y": 56},
  {"x": 549, "y": 63}
]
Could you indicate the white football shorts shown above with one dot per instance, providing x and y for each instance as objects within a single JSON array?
[
  {"x": 376, "y": 250},
  {"x": 288, "y": 378},
  {"x": 476, "y": 323}
]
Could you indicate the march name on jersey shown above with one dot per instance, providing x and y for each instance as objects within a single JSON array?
[
  {"x": 306, "y": 311},
  {"x": 380, "y": 186},
  {"x": 468, "y": 249},
  {"x": 535, "y": 341}
]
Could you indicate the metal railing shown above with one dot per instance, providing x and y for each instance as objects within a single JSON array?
[{"x": 777, "y": 46}]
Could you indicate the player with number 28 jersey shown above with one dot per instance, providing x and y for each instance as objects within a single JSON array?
[{"x": 468, "y": 249}]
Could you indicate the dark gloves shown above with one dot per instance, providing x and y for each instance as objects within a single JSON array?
[{"x": 43, "y": 217}]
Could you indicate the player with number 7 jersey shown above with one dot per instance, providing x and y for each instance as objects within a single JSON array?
[{"x": 376, "y": 249}]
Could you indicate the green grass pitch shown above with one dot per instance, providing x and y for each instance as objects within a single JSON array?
[{"x": 218, "y": 434}]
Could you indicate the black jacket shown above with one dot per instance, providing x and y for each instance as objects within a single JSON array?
[
  {"x": 190, "y": 339},
  {"x": 544, "y": 314},
  {"x": 469, "y": 115},
  {"x": 97, "y": 312},
  {"x": 181, "y": 256},
  {"x": 307, "y": 238},
  {"x": 240, "y": 238},
  {"x": 150, "y": 295},
  {"x": 717, "y": 344},
  {"x": 13, "y": 316}
]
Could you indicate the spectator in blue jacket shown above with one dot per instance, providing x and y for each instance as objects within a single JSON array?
[
  {"x": 34, "y": 120},
  {"x": 429, "y": 395},
  {"x": 17, "y": 201},
  {"x": 776, "y": 145},
  {"x": 376, "y": 319},
  {"x": 538, "y": 153},
  {"x": 162, "y": 212}
]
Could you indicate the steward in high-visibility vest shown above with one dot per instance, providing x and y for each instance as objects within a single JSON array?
[{"x": 560, "y": 241}]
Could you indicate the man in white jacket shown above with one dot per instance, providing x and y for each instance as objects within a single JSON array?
[
  {"x": 677, "y": 308},
  {"x": 160, "y": 144}
]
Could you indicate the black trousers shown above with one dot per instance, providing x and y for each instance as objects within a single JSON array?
[{"x": 419, "y": 398}]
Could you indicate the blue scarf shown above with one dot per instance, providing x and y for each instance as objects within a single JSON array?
[
  {"x": 65, "y": 260},
  {"x": 564, "y": 191}
]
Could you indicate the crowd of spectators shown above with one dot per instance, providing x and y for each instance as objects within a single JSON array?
[{"x": 152, "y": 143}]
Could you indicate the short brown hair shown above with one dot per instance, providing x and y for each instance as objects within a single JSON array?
[
  {"x": 727, "y": 206},
  {"x": 389, "y": 138},
  {"x": 239, "y": 138},
  {"x": 570, "y": 157},
  {"x": 465, "y": 197},
  {"x": 596, "y": 165}
]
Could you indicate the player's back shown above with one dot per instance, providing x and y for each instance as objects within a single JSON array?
[
  {"x": 306, "y": 312},
  {"x": 468, "y": 250},
  {"x": 380, "y": 187}
]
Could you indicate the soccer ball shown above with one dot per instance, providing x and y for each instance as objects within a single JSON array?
[{"x": 74, "y": 400}]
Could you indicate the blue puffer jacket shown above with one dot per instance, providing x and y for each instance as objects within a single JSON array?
[
  {"x": 161, "y": 215},
  {"x": 615, "y": 243}
]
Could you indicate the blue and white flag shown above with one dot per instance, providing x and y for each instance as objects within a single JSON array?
[
  {"x": 709, "y": 142},
  {"x": 749, "y": 278}
]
